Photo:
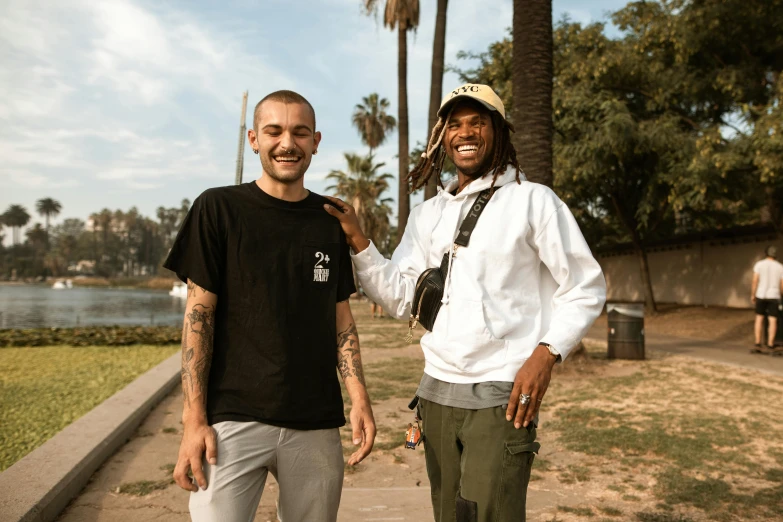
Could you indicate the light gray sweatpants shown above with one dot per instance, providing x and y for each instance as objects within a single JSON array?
[{"x": 308, "y": 465}]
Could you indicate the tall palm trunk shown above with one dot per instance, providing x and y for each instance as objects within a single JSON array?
[
  {"x": 403, "y": 208},
  {"x": 532, "y": 88},
  {"x": 46, "y": 218},
  {"x": 436, "y": 85}
]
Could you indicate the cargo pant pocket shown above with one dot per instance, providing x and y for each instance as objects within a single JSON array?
[
  {"x": 515, "y": 477},
  {"x": 467, "y": 510}
]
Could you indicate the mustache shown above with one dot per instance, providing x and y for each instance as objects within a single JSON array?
[{"x": 468, "y": 142}]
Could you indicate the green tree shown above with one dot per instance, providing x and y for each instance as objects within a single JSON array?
[
  {"x": 36, "y": 236},
  {"x": 672, "y": 127},
  {"x": 723, "y": 79},
  {"x": 436, "y": 82},
  {"x": 37, "y": 243},
  {"x": 402, "y": 15},
  {"x": 69, "y": 227},
  {"x": 363, "y": 186},
  {"x": 68, "y": 241},
  {"x": 16, "y": 217},
  {"x": 494, "y": 68},
  {"x": 48, "y": 207},
  {"x": 532, "y": 86},
  {"x": 372, "y": 121},
  {"x": 103, "y": 253},
  {"x": 766, "y": 141}
]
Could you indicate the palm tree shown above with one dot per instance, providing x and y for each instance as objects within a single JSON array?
[
  {"x": 48, "y": 207},
  {"x": 101, "y": 221},
  {"x": 531, "y": 75},
  {"x": 372, "y": 121},
  {"x": 532, "y": 88},
  {"x": 36, "y": 236},
  {"x": 402, "y": 15},
  {"x": 436, "y": 82},
  {"x": 16, "y": 216},
  {"x": 363, "y": 186}
]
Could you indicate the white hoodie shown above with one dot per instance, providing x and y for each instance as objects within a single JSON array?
[{"x": 527, "y": 276}]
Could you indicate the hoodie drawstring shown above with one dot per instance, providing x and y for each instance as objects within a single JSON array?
[
  {"x": 447, "y": 284},
  {"x": 445, "y": 299}
]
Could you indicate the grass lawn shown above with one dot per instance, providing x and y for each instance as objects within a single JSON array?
[
  {"x": 44, "y": 389},
  {"x": 670, "y": 438}
]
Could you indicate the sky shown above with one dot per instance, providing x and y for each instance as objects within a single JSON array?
[{"x": 123, "y": 103}]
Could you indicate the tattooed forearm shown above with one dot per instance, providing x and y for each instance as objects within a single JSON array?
[
  {"x": 187, "y": 375},
  {"x": 349, "y": 359},
  {"x": 192, "y": 288},
  {"x": 349, "y": 337},
  {"x": 197, "y": 347}
]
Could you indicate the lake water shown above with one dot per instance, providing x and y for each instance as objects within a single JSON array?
[{"x": 29, "y": 306}]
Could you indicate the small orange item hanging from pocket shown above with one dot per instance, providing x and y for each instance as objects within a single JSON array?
[{"x": 412, "y": 436}]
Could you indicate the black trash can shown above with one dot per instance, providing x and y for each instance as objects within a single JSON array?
[{"x": 626, "y": 331}]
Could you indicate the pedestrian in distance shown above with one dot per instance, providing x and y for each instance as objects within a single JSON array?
[
  {"x": 765, "y": 294},
  {"x": 267, "y": 326},
  {"x": 516, "y": 288}
]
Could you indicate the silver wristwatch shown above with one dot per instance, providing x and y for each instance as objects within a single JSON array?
[{"x": 552, "y": 350}]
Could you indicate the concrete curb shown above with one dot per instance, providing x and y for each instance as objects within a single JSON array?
[{"x": 39, "y": 486}]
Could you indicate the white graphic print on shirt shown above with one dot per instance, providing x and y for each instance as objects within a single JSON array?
[{"x": 320, "y": 273}]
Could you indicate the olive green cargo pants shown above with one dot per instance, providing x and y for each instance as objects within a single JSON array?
[{"x": 477, "y": 462}]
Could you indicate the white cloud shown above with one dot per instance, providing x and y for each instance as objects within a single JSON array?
[
  {"x": 103, "y": 99},
  {"x": 96, "y": 89}
]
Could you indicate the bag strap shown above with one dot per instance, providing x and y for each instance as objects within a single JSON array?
[{"x": 469, "y": 223}]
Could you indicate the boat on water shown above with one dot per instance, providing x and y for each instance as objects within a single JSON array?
[
  {"x": 179, "y": 290},
  {"x": 62, "y": 285}
]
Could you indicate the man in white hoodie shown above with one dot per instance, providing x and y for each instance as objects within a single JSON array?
[{"x": 516, "y": 300}]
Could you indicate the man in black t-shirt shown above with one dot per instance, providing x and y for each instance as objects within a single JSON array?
[{"x": 269, "y": 276}]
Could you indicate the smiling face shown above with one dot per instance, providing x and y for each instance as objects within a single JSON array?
[
  {"x": 285, "y": 139},
  {"x": 469, "y": 139}
]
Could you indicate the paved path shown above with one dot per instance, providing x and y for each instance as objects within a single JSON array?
[{"x": 728, "y": 353}]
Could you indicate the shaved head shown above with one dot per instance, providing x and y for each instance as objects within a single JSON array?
[{"x": 283, "y": 97}]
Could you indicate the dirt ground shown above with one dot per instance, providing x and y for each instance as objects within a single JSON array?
[{"x": 661, "y": 440}]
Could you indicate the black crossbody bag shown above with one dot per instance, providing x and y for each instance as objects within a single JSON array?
[{"x": 431, "y": 283}]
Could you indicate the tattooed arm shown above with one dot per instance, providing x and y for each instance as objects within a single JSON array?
[
  {"x": 198, "y": 437},
  {"x": 349, "y": 363}
]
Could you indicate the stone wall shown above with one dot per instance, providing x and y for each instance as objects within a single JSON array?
[{"x": 708, "y": 272}]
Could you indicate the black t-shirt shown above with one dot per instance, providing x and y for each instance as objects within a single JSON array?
[{"x": 278, "y": 269}]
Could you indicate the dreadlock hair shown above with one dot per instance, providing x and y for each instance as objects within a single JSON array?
[{"x": 431, "y": 161}]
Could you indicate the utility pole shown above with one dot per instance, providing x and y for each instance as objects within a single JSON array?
[{"x": 241, "y": 151}]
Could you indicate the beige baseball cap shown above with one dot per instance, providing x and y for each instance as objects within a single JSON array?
[{"x": 477, "y": 91}]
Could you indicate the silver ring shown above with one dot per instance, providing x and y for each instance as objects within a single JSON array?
[{"x": 524, "y": 398}]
